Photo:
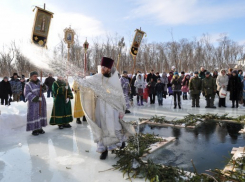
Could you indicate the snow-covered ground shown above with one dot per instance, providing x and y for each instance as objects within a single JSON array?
[{"x": 69, "y": 155}]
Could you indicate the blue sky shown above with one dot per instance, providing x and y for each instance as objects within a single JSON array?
[{"x": 96, "y": 18}]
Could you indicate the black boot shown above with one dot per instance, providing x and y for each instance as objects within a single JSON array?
[
  {"x": 208, "y": 103},
  {"x": 220, "y": 102},
  {"x": 233, "y": 104},
  {"x": 223, "y": 102},
  {"x": 104, "y": 155},
  {"x": 243, "y": 102},
  {"x": 67, "y": 125},
  {"x": 41, "y": 131},
  {"x": 123, "y": 146},
  {"x": 179, "y": 106},
  {"x": 79, "y": 121},
  {"x": 197, "y": 103},
  {"x": 84, "y": 118},
  {"x": 175, "y": 105},
  {"x": 127, "y": 112},
  {"x": 142, "y": 103},
  {"x": 35, "y": 132},
  {"x": 193, "y": 102},
  {"x": 236, "y": 103}
]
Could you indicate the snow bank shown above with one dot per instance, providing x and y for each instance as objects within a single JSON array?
[{"x": 13, "y": 117}]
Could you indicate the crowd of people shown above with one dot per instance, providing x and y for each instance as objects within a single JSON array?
[
  {"x": 155, "y": 85},
  {"x": 102, "y": 105},
  {"x": 108, "y": 98}
]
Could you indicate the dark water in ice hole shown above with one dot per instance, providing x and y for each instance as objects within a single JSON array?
[{"x": 209, "y": 145}]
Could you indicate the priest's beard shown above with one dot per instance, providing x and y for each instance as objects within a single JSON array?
[{"x": 107, "y": 74}]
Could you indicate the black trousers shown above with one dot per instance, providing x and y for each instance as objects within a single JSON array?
[
  {"x": 139, "y": 98},
  {"x": 152, "y": 98},
  {"x": 222, "y": 102},
  {"x": 4, "y": 100},
  {"x": 177, "y": 96}
]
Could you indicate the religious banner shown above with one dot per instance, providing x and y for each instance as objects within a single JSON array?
[
  {"x": 136, "y": 42},
  {"x": 69, "y": 35},
  {"x": 41, "y": 26}
]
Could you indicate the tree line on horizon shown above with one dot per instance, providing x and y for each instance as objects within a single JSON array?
[{"x": 186, "y": 55}]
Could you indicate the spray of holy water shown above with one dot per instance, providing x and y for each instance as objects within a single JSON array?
[{"x": 135, "y": 164}]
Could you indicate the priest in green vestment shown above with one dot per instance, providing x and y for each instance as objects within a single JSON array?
[{"x": 62, "y": 111}]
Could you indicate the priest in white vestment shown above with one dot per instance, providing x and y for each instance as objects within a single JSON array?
[{"x": 104, "y": 106}]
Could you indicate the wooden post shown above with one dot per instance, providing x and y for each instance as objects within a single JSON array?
[
  {"x": 68, "y": 58},
  {"x": 40, "y": 95},
  {"x": 44, "y": 6},
  {"x": 85, "y": 62},
  {"x": 119, "y": 56},
  {"x": 134, "y": 58}
]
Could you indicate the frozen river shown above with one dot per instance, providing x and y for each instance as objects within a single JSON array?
[{"x": 68, "y": 155}]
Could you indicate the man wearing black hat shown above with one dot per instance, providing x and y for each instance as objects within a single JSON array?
[
  {"x": 16, "y": 87},
  {"x": 104, "y": 106},
  {"x": 209, "y": 89},
  {"x": 126, "y": 89},
  {"x": 195, "y": 88}
]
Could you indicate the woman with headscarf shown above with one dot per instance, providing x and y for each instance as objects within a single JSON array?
[
  {"x": 170, "y": 92},
  {"x": 164, "y": 80},
  {"x": 222, "y": 82},
  {"x": 139, "y": 87},
  {"x": 185, "y": 86}
]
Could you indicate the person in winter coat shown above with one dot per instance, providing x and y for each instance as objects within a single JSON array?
[
  {"x": 146, "y": 89},
  {"x": 215, "y": 75},
  {"x": 191, "y": 74},
  {"x": 209, "y": 90},
  {"x": 176, "y": 87},
  {"x": 234, "y": 86},
  {"x": 139, "y": 87},
  {"x": 150, "y": 76},
  {"x": 185, "y": 86},
  {"x": 125, "y": 83},
  {"x": 159, "y": 88},
  {"x": 222, "y": 82},
  {"x": 164, "y": 80},
  {"x": 195, "y": 87},
  {"x": 243, "y": 91},
  {"x": 133, "y": 89},
  {"x": 16, "y": 87},
  {"x": 151, "y": 85},
  {"x": 229, "y": 74},
  {"x": 240, "y": 75},
  {"x": 49, "y": 82},
  {"x": 182, "y": 76},
  {"x": 22, "y": 97},
  {"x": 157, "y": 75},
  {"x": 202, "y": 73},
  {"x": 170, "y": 92},
  {"x": 5, "y": 91}
]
